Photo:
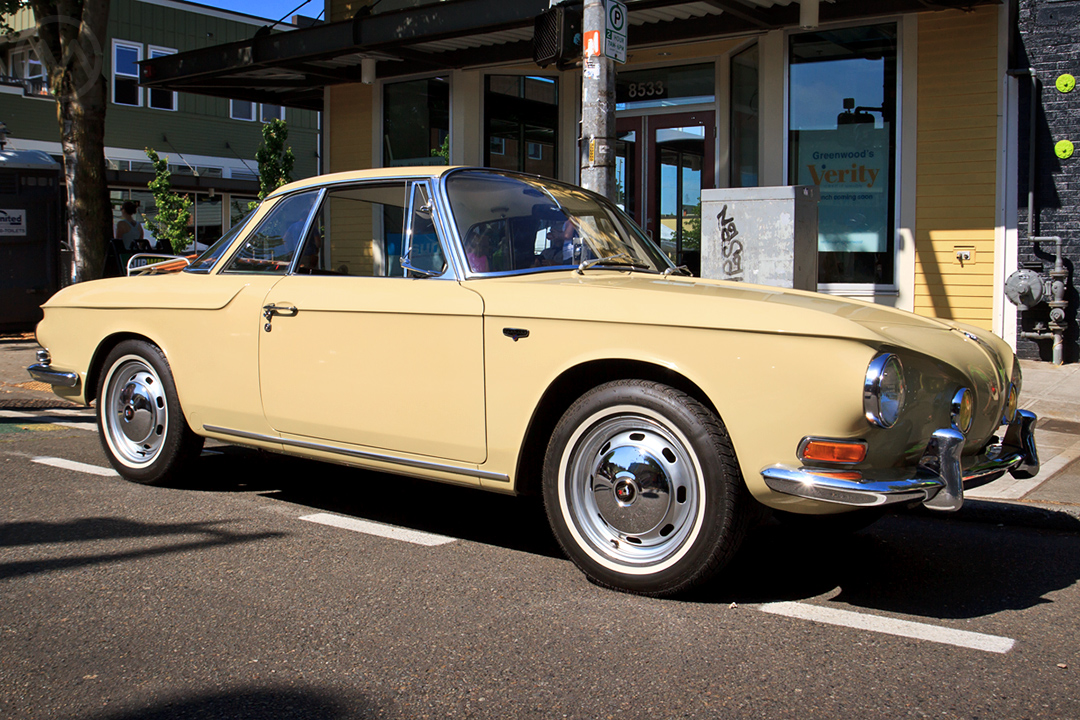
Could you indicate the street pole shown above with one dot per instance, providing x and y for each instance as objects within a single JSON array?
[{"x": 597, "y": 105}]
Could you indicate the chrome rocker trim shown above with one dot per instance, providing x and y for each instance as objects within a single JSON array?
[
  {"x": 937, "y": 481},
  {"x": 361, "y": 454},
  {"x": 44, "y": 373}
]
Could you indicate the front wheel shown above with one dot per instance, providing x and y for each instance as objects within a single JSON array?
[
  {"x": 642, "y": 488},
  {"x": 142, "y": 426}
]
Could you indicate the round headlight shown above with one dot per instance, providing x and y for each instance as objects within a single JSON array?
[
  {"x": 963, "y": 410},
  {"x": 883, "y": 391},
  {"x": 1010, "y": 404}
]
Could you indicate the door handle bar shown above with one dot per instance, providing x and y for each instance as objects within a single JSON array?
[{"x": 271, "y": 310}]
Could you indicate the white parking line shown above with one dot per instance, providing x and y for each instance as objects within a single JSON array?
[
  {"x": 76, "y": 466},
  {"x": 387, "y": 531},
  {"x": 53, "y": 417},
  {"x": 891, "y": 626}
]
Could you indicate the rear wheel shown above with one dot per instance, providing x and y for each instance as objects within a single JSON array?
[
  {"x": 642, "y": 488},
  {"x": 142, "y": 426}
]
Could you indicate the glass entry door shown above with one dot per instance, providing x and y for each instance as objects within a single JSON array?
[{"x": 662, "y": 164}]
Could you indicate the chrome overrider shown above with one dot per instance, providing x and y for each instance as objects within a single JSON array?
[
  {"x": 42, "y": 371},
  {"x": 937, "y": 481}
]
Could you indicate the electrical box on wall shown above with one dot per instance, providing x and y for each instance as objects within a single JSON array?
[{"x": 557, "y": 37}]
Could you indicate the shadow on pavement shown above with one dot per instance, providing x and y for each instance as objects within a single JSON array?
[
  {"x": 248, "y": 705},
  {"x": 207, "y": 535},
  {"x": 923, "y": 565},
  {"x": 465, "y": 513},
  {"x": 930, "y": 567}
]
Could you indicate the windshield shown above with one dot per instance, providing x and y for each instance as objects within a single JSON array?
[
  {"x": 209, "y": 258},
  {"x": 512, "y": 223}
]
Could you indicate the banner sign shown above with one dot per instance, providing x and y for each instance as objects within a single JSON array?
[
  {"x": 13, "y": 222},
  {"x": 851, "y": 168}
]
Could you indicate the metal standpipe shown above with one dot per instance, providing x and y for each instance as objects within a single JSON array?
[
  {"x": 1057, "y": 304},
  {"x": 1025, "y": 288}
]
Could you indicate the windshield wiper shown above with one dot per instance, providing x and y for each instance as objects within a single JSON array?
[
  {"x": 632, "y": 263},
  {"x": 681, "y": 269}
]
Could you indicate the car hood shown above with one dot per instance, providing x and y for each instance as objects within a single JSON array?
[{"x": 639, "y": 298}]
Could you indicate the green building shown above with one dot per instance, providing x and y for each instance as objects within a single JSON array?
[{"x": 210, "y": 141}]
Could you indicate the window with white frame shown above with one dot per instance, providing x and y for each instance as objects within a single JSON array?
[
  {"x": 23, "y": 64},
  {"x": 125, "y": 79},
  {"x": 271, "y": 112},
  {"x": 162, "y": 99},
  {"x": 241, "y": 110}
]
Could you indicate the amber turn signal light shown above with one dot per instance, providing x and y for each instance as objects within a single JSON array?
[{"x": 832, "y": 451}]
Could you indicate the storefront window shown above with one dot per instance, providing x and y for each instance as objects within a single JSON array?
[
  {"x": 744, "y": 118},
  {"x": 665, "y": 87},
  {"x": 416, "y": 122},
  {"x": 522, "y": 121},
  {"x": 842, "y": 134}
]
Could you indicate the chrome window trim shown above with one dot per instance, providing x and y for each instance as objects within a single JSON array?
[
  {"x": 449, "y": 249},
  {"x": 816, "y": 438},
  {"x": 361, "y": 454},
  {"x": 315, "y": 207}
]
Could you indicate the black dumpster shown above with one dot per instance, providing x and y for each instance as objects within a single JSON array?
[{"x": 31, "y": 229}]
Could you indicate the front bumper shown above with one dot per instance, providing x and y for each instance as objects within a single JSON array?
[
  {"x": 937, "y": 481},
  {"x": 42, "y": 371}
]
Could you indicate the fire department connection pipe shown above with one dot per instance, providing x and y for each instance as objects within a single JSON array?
[{"x": 1058, "y": 275}]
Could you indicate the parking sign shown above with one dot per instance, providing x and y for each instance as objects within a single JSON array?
[{"x": 615, "y": 33}]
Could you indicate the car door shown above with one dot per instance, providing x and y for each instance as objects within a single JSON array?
[{"x": 359, "y": 351}]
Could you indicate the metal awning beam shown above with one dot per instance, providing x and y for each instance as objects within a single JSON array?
[
  {"x": 764, "y": 20},
  {"x": 231, "y": 70}
]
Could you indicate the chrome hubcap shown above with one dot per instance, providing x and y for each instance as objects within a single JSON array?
[
  {"x": 135, "y": 412},
  {"x": 632, "y": 490}
]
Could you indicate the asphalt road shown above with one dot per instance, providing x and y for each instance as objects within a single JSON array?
[{"x": 221, "y": 600}]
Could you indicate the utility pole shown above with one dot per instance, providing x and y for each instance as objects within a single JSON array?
[{"x": 598, "y": 101}]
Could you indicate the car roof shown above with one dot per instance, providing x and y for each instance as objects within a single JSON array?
[{"x": 390, "y": 173}]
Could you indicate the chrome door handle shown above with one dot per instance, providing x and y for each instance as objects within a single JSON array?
[{"x": 271, "y": 310}]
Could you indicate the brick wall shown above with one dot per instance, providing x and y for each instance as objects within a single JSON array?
[{"x": 1048, "y": 41}]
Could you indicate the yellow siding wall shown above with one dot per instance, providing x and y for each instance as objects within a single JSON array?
[
  {"x": 956, "y": 146},
  {"x": 349, "y": 122}
]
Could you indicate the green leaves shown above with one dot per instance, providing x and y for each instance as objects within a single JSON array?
[
  {"x": 171, "y": 223},
  {"x": 275, "y": 158}
]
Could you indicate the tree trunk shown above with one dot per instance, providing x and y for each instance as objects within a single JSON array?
[
  {"x": 82, "y": 135},
  {"x": 70, "y": 43}
]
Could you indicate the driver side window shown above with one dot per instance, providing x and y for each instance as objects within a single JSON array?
[{"x": 270, "y": 248}]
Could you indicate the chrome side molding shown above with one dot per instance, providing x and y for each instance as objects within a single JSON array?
[{"x": 362, "y": 454}]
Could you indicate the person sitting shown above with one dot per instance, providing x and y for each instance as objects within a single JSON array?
[
  {"x": 128, "y": 229},
  {"x": 560, "y": 249},
  {"x": 478, "y": 251}
]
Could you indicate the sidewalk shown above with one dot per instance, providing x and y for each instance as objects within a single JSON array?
[
  {"x": 17, "y": 390},
  {"x": 1052, "y": 393}
]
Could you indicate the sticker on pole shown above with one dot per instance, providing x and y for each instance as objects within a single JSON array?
[
  {"x": 592, "y": 44},
  {"x": 615, "y": 32}
]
